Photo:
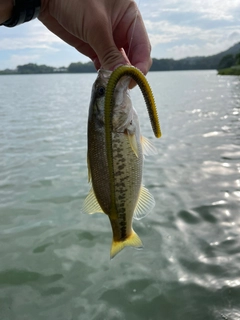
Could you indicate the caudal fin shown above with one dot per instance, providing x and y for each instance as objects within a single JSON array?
[{"x": 132, "y": 241}]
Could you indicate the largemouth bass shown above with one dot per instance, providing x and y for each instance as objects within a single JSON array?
[{"x": 115, "y": 155}]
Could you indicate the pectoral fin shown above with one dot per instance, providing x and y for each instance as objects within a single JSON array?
[
  {"x": 144, "y": 205},
  {"x": 91, "y": 204},
  {"x": 133, "y": 142},
  {"x": 147, "y": 146}
]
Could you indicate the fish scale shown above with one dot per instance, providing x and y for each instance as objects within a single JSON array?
[{"x": 128, "y": 173}]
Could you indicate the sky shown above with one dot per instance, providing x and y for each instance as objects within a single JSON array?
[{"x": 176, "y": 28}]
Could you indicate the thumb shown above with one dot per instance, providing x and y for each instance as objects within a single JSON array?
[{"x": 117, "y": 59}]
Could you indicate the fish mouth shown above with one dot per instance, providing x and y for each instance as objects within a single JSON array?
[
  {"x": 122, "y": 84},
  {"x": 121, "y": 91},
  {"x": 104, "y": 74}
]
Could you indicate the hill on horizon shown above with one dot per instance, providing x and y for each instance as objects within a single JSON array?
[{"x": 194, "y": 63}]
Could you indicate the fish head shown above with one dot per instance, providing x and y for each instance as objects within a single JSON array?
[
  {"x": 124, "y": 116},
  {"x": 96, "y": 109}
]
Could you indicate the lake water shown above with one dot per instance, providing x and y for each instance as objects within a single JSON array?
[{"x": 54, "y": 260}]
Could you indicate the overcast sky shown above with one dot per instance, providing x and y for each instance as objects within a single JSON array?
[{"x": 177, "y": 29}]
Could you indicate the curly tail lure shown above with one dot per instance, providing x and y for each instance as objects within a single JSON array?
[{"x": 141, "y": 80}]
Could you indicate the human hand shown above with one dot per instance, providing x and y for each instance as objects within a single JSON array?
[{"x": 104, "y": 30}]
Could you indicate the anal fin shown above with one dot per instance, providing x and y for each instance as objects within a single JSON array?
[{"x": 144, "y": 205}]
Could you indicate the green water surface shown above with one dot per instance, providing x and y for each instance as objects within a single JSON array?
[{"x": 54, "y": 260}]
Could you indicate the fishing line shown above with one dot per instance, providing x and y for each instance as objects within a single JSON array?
[{"x": 134, "y": 25}]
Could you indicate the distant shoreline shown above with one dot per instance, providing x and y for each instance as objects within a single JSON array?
[{"x": 221, "y": 62}]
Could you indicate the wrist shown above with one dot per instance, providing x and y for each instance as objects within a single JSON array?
[{"x": 6, "y": 7}]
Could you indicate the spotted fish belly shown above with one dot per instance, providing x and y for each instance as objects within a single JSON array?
[{"x": 127, "y": 183}]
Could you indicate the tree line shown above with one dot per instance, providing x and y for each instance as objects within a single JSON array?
[
  {"x": 32, "y": 68},
  {"x": 157, "y": 65},
  {"x": 221, "y": 60}
]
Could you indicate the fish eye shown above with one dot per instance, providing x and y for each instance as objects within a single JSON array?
[{"x": 101, "y": 91}]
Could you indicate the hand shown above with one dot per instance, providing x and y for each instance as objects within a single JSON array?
[{"x": 101, "y": 30}]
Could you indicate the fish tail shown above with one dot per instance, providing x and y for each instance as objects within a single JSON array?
[{"x": 132, "y": 241}]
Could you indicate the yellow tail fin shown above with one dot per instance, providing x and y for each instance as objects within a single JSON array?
[{"x": 132, "y": 241}]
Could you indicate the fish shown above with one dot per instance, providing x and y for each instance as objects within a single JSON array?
[{"x": 115, "y": 154}]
